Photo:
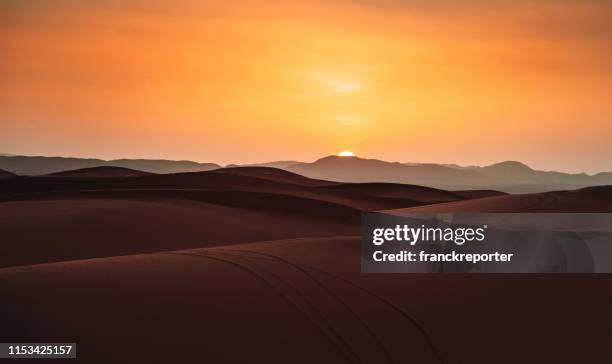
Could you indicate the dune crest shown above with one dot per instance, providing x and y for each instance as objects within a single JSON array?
[{"x": 101, "y": 172}]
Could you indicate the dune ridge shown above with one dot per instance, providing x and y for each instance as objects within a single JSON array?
[
  {"x": 6, "y": 174},
  {"x": 227, "y": 294},
  {"x": 118, "y": 212},
  {"x": 101, "y": 172}
]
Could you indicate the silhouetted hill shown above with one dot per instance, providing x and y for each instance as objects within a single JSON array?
[
  {"x": 355, "y": 169},
  {"x": 479, "y": 193},
  {"x": 33, "y": 166},
  {"x": 6, "y": 174},
  {"x": 592, "y": 199},
  {"x": 201, "y": 186},
  {"x": 508, "y": 169},
  {"x": 101, "y": 172},
  {"x": 603, "y": 178},
  {"x": 273, "y": 174},
  {"x": 106, "y": 211},
  {"x": 274, "y": 164},
  {"x": 396, "y": 190},
  {"x": 599, "y": 193},
  {"x": 509, "y": 176},
  {"x": 155, "y": 212}
]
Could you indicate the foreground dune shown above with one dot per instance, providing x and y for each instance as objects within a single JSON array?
[
  {"x": 301, "y": 301},
  {"x": 261, "y": 265},
  {"x": 89, "y": 227}
]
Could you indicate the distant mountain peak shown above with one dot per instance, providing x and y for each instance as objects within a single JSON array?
[
  {"x": 334, "y": 159},
  {"x": 331, "y": 158},
  {"x": 514, "y": 165}
]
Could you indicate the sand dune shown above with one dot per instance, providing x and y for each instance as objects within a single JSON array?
[
  {"x": 262, "y": 265},
  {"x": 101, "y": 172},
  {"x": 6, "y": 174},
  {"x": 468, "y": 194},
  {"x": 598, "y": 193},
  {"x": 98, "y": 226},
  {"x": 89, "y": 217},
  {"x": 396, "y": 190},
  {"x": 301, "y": 301},
  {"x": 366, "y": 196},
  {"x": 541, "y": 202},
  {"x": 275, "y": 174},
  {"x": 41, "y": 187}
]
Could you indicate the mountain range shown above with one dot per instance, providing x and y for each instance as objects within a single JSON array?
[
  {"x": 35, "y": 166},
  {"x": 508, "y": 176}
]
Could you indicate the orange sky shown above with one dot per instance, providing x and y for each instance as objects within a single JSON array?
[{"x": 235, "y": 82}]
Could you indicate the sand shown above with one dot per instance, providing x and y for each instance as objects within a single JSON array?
[{"x": 260, "y": 265}]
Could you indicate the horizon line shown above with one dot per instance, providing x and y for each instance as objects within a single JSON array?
[{"x": 247, "y": 164}]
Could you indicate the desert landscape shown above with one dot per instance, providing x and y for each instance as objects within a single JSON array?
[
  {"x": 212, "y": 181},
  {"x": 246, "y": 264}
]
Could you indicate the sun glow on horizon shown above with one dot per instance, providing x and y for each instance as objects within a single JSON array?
[
  {"x": 346, "y": 153},
  {"x": 345, "y": 86}
]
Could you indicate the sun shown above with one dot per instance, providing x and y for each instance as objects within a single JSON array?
[
  {"x": 345, "y": 86},
  {"x": 346, "y": 153}
]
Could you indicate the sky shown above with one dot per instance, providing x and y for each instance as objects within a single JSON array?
[{"x": 470, "y": 82}]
